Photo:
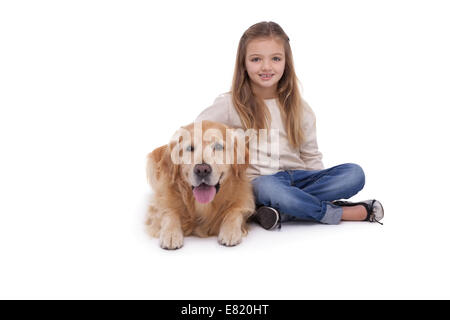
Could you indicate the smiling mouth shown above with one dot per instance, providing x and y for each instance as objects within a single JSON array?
[
  {"x": 266, "y": 76},
  {"x": 205, "y": 193},
  {"x": 205, "y": 185}
]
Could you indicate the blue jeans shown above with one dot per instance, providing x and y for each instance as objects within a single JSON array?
[{"x": 307, "y": 194}]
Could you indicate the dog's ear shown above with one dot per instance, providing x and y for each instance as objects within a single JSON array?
[
  {"x": 154, "y": 164},
  {"x": 159, "y": 163},
  {"x": 239, "y": 169},
  {"x": 172, "y": 169}
]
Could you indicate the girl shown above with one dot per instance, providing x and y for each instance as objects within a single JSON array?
[{"x": 265, "y": 95}]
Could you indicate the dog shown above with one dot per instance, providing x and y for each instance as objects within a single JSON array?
[{"x": 204, "y": 196}]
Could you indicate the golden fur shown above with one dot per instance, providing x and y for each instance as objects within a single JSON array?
[{"x": 175, "y": 213}]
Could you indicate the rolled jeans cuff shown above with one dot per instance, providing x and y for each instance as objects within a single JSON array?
[{"x": 333, "y": 213}]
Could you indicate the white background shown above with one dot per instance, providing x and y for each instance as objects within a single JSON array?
[{"x": 88, "y": 88}]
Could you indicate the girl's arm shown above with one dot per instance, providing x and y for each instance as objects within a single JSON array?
[{"x": 309, "y": 150}]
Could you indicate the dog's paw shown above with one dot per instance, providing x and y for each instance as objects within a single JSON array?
[
  {"x": 171, "y": 240},
  {"x": 230, "y": 236}
]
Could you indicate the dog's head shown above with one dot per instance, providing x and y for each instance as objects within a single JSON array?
[{"x": 205, "y": 155}]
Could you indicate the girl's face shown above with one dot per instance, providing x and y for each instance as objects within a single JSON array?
[{"x": 264, "y": 62}]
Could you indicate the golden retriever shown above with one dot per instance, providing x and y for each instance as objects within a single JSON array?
[{"x": 204, "y": 196}]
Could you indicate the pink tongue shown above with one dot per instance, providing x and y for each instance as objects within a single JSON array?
[{"x": 204, "y": 193}]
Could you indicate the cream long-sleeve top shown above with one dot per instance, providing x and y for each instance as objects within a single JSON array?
[{"x": 307, "y": 157}]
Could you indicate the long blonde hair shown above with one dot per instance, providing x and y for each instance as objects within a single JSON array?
[{"x": 252, "y": 109}]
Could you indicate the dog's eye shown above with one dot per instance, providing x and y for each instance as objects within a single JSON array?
[
  {"x": 190, "y": 148},
  {"x": 218, "y": 146}
]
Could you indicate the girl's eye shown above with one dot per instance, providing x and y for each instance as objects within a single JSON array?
[
  {"x": 257, "y": 59},
  {"x": 190, "y": 148},
  {"x": 218, "y": 147}
]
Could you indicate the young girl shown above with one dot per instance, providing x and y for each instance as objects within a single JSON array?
[{"x": 265, "y": 94}]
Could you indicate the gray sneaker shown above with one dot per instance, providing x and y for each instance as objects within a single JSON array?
[{"x": 375, "y": 211}]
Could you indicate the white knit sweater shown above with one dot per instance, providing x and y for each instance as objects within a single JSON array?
[{"x": 307, "y": 157}]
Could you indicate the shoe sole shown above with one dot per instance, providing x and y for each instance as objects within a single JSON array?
[
  {"x": 264, "y": 216},
  {"x": 382, "y": 211}
]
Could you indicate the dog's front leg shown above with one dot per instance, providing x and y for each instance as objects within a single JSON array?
[
  {"x": 230, "y": 233},
  {"x": 171, "y": 234}
]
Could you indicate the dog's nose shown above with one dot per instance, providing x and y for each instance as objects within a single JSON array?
[{"x": 202, "y": 170}]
